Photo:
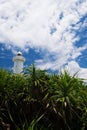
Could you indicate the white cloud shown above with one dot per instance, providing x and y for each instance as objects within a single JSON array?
[
  {"x": 28, "y": 23},
  {"x": 73, "y": 67}
]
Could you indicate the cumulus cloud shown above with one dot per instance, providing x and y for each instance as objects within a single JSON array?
[
  {"x": 49, "y": 25},
  {"x": 73, "y": 67}
]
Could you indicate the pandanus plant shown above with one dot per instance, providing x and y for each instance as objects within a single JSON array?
[
  {"x": 65, "y": 98},
  {"x": 41, "y": 101}
]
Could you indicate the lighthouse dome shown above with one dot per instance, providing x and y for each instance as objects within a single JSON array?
[{"x": 19, "y": 53}]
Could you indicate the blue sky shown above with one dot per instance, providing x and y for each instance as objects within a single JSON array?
[{"x": 50, "y": 33}]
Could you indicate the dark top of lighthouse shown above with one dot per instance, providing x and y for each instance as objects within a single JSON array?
[
  {"x": 19, "y": 57},
  {"x": 19, "y": 53}
]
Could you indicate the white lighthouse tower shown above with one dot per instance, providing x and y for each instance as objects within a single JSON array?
[{"x": 18, "y": 63}]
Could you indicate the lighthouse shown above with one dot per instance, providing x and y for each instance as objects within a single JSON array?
[{"x": 18, "y": 63}]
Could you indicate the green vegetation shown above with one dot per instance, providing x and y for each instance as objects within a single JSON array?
[{"x": 41, "y": 101}]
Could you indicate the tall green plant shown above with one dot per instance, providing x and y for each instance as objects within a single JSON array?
[
  {"x": 39, "y": 101},
  {"x": 66, "y": 99}
]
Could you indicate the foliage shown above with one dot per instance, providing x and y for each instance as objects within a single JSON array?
[{"x": 37, "y": 100}]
